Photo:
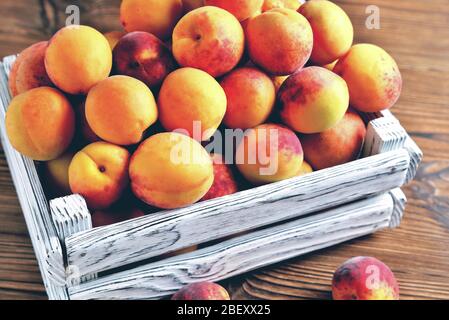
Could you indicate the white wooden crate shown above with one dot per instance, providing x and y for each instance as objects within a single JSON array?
[{"x": 281, "y": 220}]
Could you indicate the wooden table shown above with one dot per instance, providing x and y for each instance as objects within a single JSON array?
[{"x": 416, "y": 33}]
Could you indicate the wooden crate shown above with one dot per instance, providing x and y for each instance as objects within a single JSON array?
[{"x": 278, "y": 221}]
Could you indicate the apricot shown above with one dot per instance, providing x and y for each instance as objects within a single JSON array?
[
  {"x": 224, "y": 180},
  {"x": 143, "y": 56},
  {"x": 126, "y": 208},
  {"x": 251, "y": 95},
  {"x": 190, "y": 5},
  {"x": 269, "y": 153},
  {"x": 77, "y": 58},
  {"x": 153, "y": 16},
  {"x": 305, "y": 169},
  {"x": 193, "y": 101},
  {"x": 114, "y": 37},
  {"x": 332, "y": 29},
  {"x": 171, "y": 170},
  {"x": 280, "y": 41},
  {"x": 241, "y": 9},
  {"x": 99, "y": 173},
  {"x": 119, "y": 110},
  {"x": 28, "y": 71},
  {"x": 373, "y": 77},
  {"x": 337, "y": 145},
  {"x": 57, "y": 173},
  {"x": 330, "y": 66},
  {"x": 202, "y": 291},
  {"x": 313, "y": 100},
  {"x": 288, "y": 4},
  {"x": 364, "y": 278},
  {"x": 210, "y": 39},
  {"x": 40, "y": 123}
]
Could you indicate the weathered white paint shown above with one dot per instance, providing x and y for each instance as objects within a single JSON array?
[{"x": 247, "y": 252}]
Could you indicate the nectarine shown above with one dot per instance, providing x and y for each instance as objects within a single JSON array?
[{"x": 143, "y": 56}]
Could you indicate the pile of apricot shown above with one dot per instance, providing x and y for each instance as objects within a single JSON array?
[{"x": 112, "y": 115}]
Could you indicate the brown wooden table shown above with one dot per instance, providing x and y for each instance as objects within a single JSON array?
[{"x": 416, "y": 33}]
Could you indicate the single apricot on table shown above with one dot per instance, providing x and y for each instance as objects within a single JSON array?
[
  {"x": 373, "y": 77},
  {"x": 99, "y": 173},
  {"x": 364, "y": 278},
  {"x": 171, "y": 170},
  {"x": 251, "y": 95},
  {"x": 332, "y": 29},
  {"x": 202, "y": 291},
  {"x": 210, "y": 39},
  {"x": 28, "y": 71},
  {"x": 153, "y": 16},
  {"x": 269, "y": 153},
  {"x": 192, "y": 101},
  {"x": 313, "y": 100},
  {"x": 40, "y": 123},
  {"x": 119, "y": 110},
  {"x": 280, "y": 41},
  {"x": 77, "y": 58}
]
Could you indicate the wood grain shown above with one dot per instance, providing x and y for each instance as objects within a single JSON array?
[{"x": 416, "y": 33}]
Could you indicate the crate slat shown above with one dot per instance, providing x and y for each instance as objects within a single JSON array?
[
  {"x": 139, "y": 239},
  {"x": 248, "y": 252},
  {"x": 33, "y": 202}
]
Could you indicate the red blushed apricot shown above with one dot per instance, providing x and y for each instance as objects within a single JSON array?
[
  {"x": 202, "y": 291},
  {"x": 338, "y": 145},
  {"x": 269, "y": 153},
  {"x": 153, "y": 16},
  {"x": 241, "y": 9},
  {"x": 251, "y": 95},
  {"x": 40, "y": 123},
  {"x": 332, "y": 29},
  {"x": 224, "y": 180},
  {"x": 143, "y": 56},
  {"x": 364, "y": 278},
  {"x": 77, "y": 58},
  {"x": 313, "y": 100},
  {"x": 99, "y": 173},
  {"x": 210, "y": 39},
  {"x": 280, "y": 41},
  {"x": 373, "y": 77},
  {"x": 28, "y": 71}
]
